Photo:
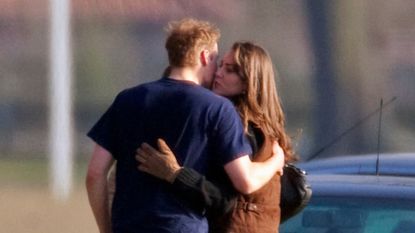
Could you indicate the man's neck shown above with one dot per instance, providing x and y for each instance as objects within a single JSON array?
[{"x": 185, "y": 74}]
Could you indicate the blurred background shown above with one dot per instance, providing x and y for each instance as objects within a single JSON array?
[{"x": 336, "y": 61}]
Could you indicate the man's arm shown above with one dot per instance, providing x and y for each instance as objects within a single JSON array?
[
  {"x": 96, "y": 185},
  {"x": 247, "y": 176}
]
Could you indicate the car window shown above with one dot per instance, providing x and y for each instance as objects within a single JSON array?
[{"x": 353, "y": 215}]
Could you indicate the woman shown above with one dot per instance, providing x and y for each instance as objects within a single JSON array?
[{"x": 245, "y": 76}]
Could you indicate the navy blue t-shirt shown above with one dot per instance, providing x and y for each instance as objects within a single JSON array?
[{"x": 203, "y": 130}]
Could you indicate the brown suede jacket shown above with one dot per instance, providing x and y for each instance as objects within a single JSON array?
[{"x": 227, "y": 210}]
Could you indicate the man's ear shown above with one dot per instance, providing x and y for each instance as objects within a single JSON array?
[{"x": 204, "y": 57}]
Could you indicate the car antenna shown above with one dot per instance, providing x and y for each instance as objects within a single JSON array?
[
  {"x": 336, "y": 139},
  {"x": 379, "y": 133}
]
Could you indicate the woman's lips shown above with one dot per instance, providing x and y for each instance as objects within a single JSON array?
[{"x": 216, "y": 84}]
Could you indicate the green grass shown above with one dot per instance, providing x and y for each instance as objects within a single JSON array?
[{"x": 33, "y": 171}]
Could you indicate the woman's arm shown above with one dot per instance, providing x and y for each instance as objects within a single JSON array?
[{"x": 192, "y": 186}]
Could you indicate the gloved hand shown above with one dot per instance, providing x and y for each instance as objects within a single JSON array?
[{"x": 160, "y": 163}]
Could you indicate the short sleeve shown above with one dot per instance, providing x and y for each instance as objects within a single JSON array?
[
  {"x": 104, "y": 132},
  {"x": 230, "y": 139}
]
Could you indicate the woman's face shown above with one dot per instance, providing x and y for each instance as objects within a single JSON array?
[{"x": 227, "y": 82}]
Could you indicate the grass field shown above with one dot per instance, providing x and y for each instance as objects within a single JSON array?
[{"x": 27, "y": 205}]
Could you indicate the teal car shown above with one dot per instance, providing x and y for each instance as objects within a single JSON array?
[
  {"x": 357, "y": 202},
  {"x": 392, "y": 164}
]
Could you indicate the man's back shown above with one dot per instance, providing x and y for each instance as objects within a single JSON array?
[{"x": 202, "y": 129}]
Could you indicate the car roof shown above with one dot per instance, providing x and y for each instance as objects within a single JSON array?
[
  {"x": 398, "y": 164},
  {"x": 365, "y": 186}
]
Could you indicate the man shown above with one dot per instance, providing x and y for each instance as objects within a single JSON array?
[{"x": 201, "y": 127}]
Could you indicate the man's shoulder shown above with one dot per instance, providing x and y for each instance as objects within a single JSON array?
[
  {"x": 137, "y": 89},
  {"x": 208, "y": 95},
  {"x": 193, "y": 91},
  {"x": 196, "y": 94},
  {"x": 208, "y": 98},
  {"x": 140, "y": 86}
]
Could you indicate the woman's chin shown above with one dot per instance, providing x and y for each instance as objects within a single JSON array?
[{"x": 215, "y": 89}]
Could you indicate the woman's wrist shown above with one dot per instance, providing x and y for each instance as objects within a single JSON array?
[{"x": 172, "y": 176}]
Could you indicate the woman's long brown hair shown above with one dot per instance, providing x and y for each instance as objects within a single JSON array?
[{"x": 260, "y": 103}]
